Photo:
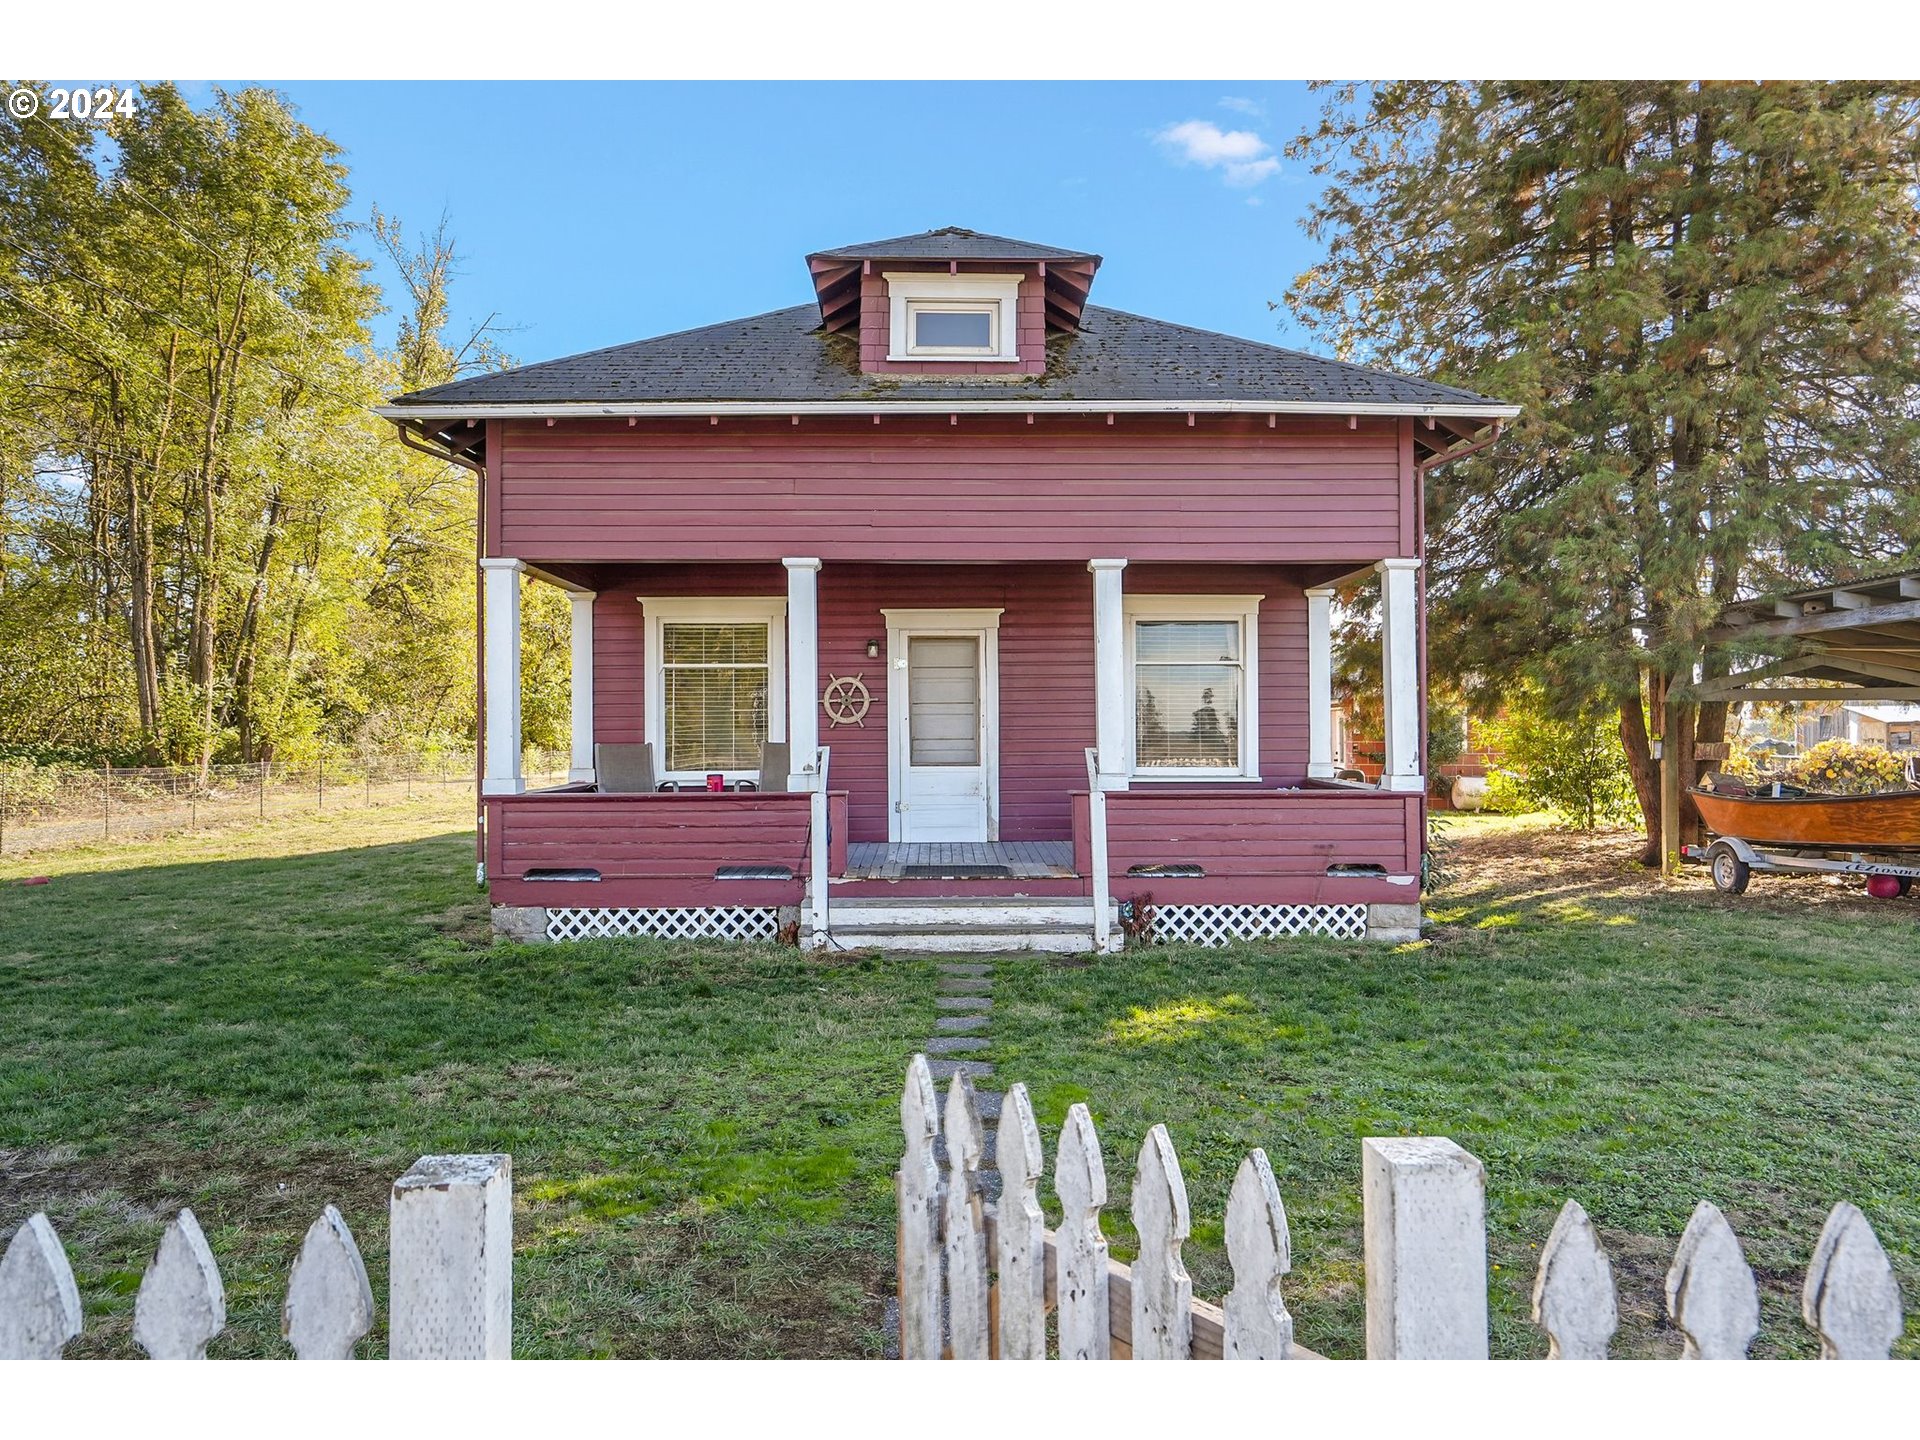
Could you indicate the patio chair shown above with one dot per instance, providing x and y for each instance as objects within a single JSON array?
[
  {"x": 623, "y": 769},
  {"x": 775, "y": 765}
]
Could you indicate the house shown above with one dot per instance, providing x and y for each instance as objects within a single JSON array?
[
  {"x": 961, "y": 612},
  {"x": 1892, "y": 724}
]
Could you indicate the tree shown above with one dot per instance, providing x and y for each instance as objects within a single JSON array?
[
  {"x": 1703, "y": 295},
  {"x": 209, "y": 546}
]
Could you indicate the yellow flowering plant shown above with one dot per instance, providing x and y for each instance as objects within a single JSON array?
[{"x": 1844, "y": 767}]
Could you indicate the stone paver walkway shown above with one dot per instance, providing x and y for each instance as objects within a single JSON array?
[{"x": 963, "y": 1001}]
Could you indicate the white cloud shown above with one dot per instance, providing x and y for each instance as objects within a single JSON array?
[
  {"x": 1243, "y": 105},
  {"x": 1241, "y": 156}
]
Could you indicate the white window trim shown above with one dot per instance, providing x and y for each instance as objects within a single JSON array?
[
  {"x": 905, "y": 289},
  {"x": 1243, "y": 609},
  {"x": 903, "y": 623},
  {"x": 728, "y": 610}
]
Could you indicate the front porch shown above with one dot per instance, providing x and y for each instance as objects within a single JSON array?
[{"x": 1091, "y": 733}]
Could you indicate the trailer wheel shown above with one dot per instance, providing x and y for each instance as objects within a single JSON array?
[
  {"x": 1730, "y": 872},
  {"x": 1906, "y": 884}
]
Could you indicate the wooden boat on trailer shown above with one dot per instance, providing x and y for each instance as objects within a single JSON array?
[
  {"x": 1889, "y": 820},
  {"x": 1787, "y": 831}
]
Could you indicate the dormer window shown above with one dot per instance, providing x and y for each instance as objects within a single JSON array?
[{"x": 952, "y": 317}]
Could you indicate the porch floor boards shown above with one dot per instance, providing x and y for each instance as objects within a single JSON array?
[{"x": 1027, "y": 859}]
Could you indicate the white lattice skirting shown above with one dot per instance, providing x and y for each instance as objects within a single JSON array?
[
  {"x": 1223, "y": 924},
  {"x": 706, "y": 922}
]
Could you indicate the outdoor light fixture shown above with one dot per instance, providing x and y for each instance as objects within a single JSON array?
[{"x": 873, "y": 649}]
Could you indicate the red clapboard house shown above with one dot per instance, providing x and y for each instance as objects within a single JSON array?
[{"x": 949, "y": 610}]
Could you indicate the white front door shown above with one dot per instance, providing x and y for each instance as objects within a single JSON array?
[{"x": 941, "y": 702}]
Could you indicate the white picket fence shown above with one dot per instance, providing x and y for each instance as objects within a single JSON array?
[
  {"x": 450, "y": 1284},
  {"x": 1000, "y": 1271}
]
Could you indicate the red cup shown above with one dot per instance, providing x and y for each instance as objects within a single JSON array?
[{"x": 716, "y": 782}]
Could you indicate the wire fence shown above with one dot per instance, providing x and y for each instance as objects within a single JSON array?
[{"x": 52, "y": 807}]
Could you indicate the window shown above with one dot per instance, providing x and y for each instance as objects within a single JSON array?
[
  {"x": 715, "y": 695},
  {"x": 937, "y": 316},
  {"x": 962, "y": 329},
  {"x": 1194, "y": 686},
  {"x": 715, "y": 684}
]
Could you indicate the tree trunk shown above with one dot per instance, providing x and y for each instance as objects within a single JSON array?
[
  {"x": 1646, "y": 776},
  {"x": 246, "y": 644}
]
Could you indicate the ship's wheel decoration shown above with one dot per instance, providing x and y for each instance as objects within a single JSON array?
[{"x": 846, "y": 700}]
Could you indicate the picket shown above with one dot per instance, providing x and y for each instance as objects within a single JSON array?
[
  {"x": 1260, "y": 1251},
  {"x": 1162, "y": 1289},
  {"x": 1850, "y": 1298},
  {"x": 1080, "y": 1181},
  {"x": 329, "y": 1300},
  {"x": 181, "y": 1305},
  {"x": 1573, "y": 1298},
  {"x": 918, "y": 1188},
  {"x": 965, "y": 1225},
  {"x": 1711, "y": 1294},
  {"x": 1020, "y": 1250},
  {"x": 39, "y": 1302}
]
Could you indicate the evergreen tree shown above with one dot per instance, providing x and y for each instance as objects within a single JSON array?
[{"x": 1703, "y": 295}]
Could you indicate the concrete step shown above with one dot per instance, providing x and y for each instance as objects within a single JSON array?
[
  {"x": 943, "y": 941},
  {"x": 860, "y": 916}
]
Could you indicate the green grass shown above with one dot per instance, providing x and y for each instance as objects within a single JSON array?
[
  {"x": 1582, "y": 1031},
  {"x": 259, "y": 1022}
]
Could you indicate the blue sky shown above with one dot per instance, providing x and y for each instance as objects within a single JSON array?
[{"x": 590, "y": 214}]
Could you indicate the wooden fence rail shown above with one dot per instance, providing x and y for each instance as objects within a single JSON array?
[
  {"x": 450, "y": 1296},
  {"x": 1426, "y": 1257}
]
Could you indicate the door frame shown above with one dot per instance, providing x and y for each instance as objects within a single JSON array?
[{"x": 901, "y": 624}]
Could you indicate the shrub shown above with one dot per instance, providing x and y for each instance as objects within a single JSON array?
[
  {"x": 1841, "y": 767},
  {"x": 1571, "y": 766}
]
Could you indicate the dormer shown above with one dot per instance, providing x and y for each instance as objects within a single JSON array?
[{"x": 952, "y": 302}]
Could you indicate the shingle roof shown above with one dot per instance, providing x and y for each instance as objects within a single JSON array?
[
  {"x": 950, "y": 243},
  {"x": 784, "y": 356}
]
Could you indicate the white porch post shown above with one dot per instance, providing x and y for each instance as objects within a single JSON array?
[
  {"x": 1109, "y": 674},
  {"x": 1400, "y": 673},
  {"x": 582, "y": 767},
  {"x": 502, "y": 678},
  {"x": 1320, "y": 684},
  {"x": 803, "y": 674}
]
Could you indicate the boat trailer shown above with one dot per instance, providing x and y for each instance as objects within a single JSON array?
[{"x": 1732, "y": 862}]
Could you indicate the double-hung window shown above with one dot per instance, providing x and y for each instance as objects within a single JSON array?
[
  {"x": 715, "y": 684},
  {"x": 1193, "y": 676}
]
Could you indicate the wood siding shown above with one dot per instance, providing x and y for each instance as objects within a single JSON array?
[
  {"x": 1265, "y": 846},
  {"x": 1046, "y": 668},
  {"x": 1226, "y": 489},
  {"x": 658, "y": 849}
]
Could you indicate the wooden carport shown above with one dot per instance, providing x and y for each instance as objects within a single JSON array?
[{"x": 1857, "y": 641}]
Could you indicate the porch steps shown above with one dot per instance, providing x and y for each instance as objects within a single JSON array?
[{"x": 964, "y": 926}]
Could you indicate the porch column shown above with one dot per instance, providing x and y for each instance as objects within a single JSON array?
[
  {"x": 1400, "y": 673},
  {"x": 582, "y": 767},
  {"x": 803, "y": 672},
  {"x": 1320, "y": 684},
  {"x": 1109, "y": 674},
  {"x": 501, "y": 678}
]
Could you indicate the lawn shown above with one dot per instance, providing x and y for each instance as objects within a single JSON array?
[
  {"x": 258, "y": 1022},
  {"x": 1582, "y": 1030}
]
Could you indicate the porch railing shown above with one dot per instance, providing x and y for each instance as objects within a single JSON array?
[{"x": 1098, "y": 859}]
